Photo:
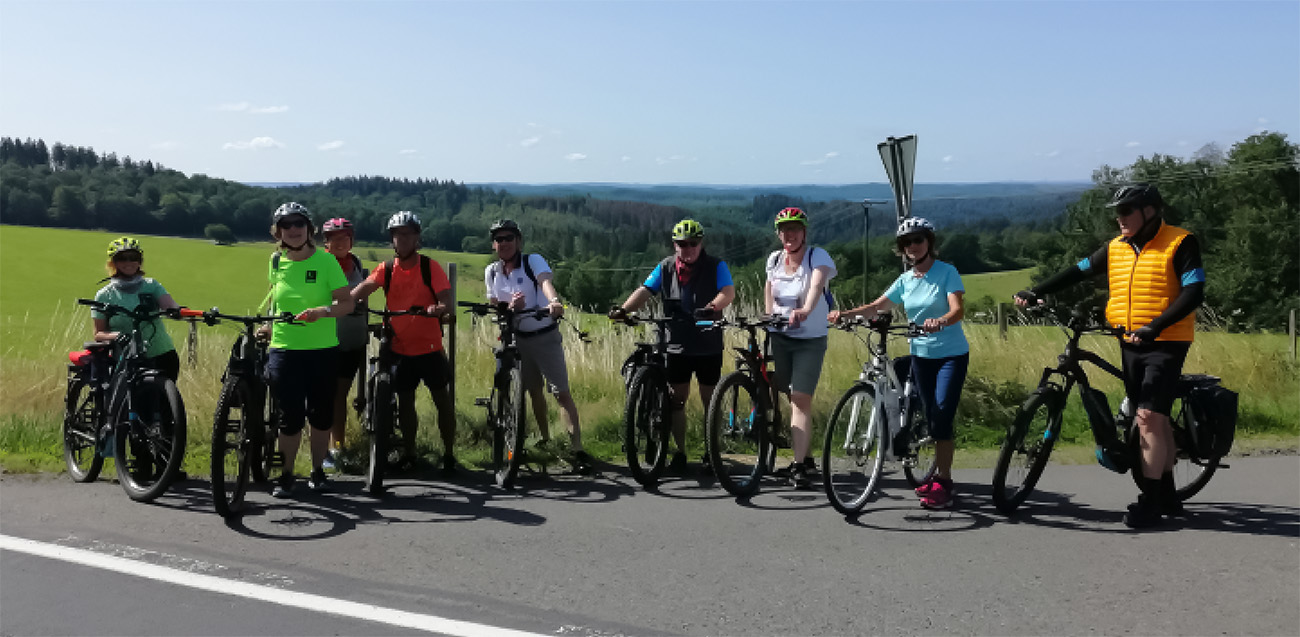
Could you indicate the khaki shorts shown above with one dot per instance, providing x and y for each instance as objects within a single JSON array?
[{"x": 542, "y": 356}]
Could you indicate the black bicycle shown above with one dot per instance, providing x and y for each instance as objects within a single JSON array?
[
  {"x": 246, "y": 420},
  {"x": 380, "y": 420},
  {"x": 1037, "y": 425},
  {"x": 506, "y": 408},
  {"x": 647, "y": 412},
  {"x": 120, "y": 404},
  {"x": 743, "y": 423}
]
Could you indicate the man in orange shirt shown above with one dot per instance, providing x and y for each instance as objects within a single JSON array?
[{"x": 414, "y": 280}]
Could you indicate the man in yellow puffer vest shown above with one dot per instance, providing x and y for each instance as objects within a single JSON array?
[{"x": 1156, "y": 282}]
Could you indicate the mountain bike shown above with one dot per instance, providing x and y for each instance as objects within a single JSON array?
[
  {"x": 506, "y": 407},
  {"x": 144, "y": 419},
  {"x": 1037, "y": 424},
  {"x": 647, "y": 412},
  {"x": 380, "y": 420},
  {"x": 246, "y": 419},
  {"x": 881, "y": 413},
  {"x": 743, "y": 423}
]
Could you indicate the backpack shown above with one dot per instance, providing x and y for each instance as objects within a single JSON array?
[
  {"x": 773, "y": 259},
  {"x": 425, "y": 273},
  {"x": 1213, "y": 419},
  {"x": 495, "y": 269}
]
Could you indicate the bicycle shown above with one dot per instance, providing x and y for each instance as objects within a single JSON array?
[
  {"x": 380, "y": 411},
  {"x": 506, "y": 407},
  {"x": 137, "y": 411},
  {"x": 647, "y": 413},
  {"x": 246, "y": 419},
  {"x": 744, "y": 417},
  {"x": 1037, "y": 424},
  {"x": 881, "y": 413}
]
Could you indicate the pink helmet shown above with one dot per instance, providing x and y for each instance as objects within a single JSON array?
[{"x": 337, "y": 224}]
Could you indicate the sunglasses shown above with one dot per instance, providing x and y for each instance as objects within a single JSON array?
[
  {"x": 285, "y": 224},
  {"x": 1124, "y": 211},
  {"x": 903, "y": 242},
  {"x": 505, "y": 238},
  {"x": 687, "y": 244},
  {"x": 128, "y": 256}
]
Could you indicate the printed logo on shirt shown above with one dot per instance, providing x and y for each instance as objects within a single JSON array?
[{"x": 311, "y": 276}]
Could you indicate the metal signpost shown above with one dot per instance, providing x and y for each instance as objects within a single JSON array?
[{"x": 899, "y": 157}]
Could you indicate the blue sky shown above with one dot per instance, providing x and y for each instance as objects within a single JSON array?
[{"x": 648, "y": 92}]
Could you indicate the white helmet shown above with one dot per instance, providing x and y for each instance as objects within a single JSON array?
[
  {"x": 403, "y": 218},
  {"x": 913, "y": 224},
  {"x": 291, "y": 208}
]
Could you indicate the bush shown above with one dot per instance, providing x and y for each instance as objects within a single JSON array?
[{"x": 220, "y": 234}]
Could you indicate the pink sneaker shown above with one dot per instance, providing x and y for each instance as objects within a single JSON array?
[
  {"x": 938, "y": 497},
  {"x": 924, "y": 490}
]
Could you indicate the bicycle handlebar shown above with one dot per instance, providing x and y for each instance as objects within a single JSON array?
[
  {"x": 141, "y": 316},
  {"x": 213, "y": 315},
  {"x": 415, "y": 310},
  {"x": 502, "y": 309},
  {"x": 775, "y": 321}
]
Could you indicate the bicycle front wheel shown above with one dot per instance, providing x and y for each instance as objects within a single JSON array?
[
  {"x": 736, "y": 435},
  {"x": 1026, "y": 448},
  {"x": 645, "y": 426},
  {"x": 853, "y": 453},
  {"x": 232, "y": 450},
  {"x": 81, "y": 422},
  {"x": 508, "y": 439},
  {"x": 150, "y": 440},
  {"x": 381, "y": 429}
]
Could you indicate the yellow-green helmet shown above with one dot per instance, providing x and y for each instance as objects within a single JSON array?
[
  {"x": 688, "y": 229},
  {"x": 124, "y": 244}
]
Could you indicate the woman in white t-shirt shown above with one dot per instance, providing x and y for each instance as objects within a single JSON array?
[{"x": 797, "y": 276}]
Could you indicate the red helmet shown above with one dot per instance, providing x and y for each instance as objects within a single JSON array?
[
  {"x": 791, "y": 214},
  {"x": 337, "y": 224}
]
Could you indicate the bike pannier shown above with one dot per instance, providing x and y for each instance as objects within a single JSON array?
[{"x": 1212, "y": 422}]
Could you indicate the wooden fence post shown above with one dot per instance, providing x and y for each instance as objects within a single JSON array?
[
  {"x": 1291, "y": 332},
  {"x": 1002, "y": 320}
]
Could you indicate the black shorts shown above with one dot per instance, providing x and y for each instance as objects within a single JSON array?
[
  {"x": 349, "y": 362},
  {"x": 707, "y": 369},
  {"x": 432, "y": 369},
  {"x": 1151, "y": 372}
]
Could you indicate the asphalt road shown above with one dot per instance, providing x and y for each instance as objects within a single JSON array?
[{"x": 601, "y": 556}]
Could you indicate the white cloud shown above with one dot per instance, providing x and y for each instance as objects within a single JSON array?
[
  {"x": 1132, "y": 144},
  {"x": 530, "y": 141},
  {"x": 575, "y": 157},
  {"x": 167, "y": 145},
  {"x": 407, "y": 151},
  {"x": 256, "y": 143},
  {"x": 823, "y": 159},
  {"x": 269, "y": 109},
  {"x": 334, "y": 145},
  {"x": 948, "y": 159},
  {"x": 627, "y": 158}
]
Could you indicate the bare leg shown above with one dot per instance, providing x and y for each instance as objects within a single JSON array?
[
  {"x": 540, "y": 414},
  {"x": 801, "y": 423},
  {"x": 1157, "y": 442},
  {"x": 569, "y": 413},
  {"x": 446, "y": 419},
  {"x": 943, "y": 452}
]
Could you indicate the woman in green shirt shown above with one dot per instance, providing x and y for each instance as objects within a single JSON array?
[{"x": 130, "y": 288}]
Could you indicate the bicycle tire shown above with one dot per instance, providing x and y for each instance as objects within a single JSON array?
[
  {"x": 1190, "y": 474},
  {"x": 381, "y": 430},
  {"x": 82, "y": 419},
  {"x": 510, "y": 427},
  {"x": 737, "y": 435},
  {"x": 920, "y": 470},
  {"x": 1028, "y": 445},
  {"x": 645, "y": 432},
  {"x": 232, "y": 449},
  {"x": 853, "y": 453},
  {"x": 158, "y": 433},
  {"x": 269, "y": 457}
]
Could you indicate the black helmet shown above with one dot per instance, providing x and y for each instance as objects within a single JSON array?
[
  {"x": 1136, "y": 195},
  {"x": 505, "y": 224}
]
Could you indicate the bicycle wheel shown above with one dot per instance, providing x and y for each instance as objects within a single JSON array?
[
  {"x": 508, "y": 439},
  {"x": 1026, "y": 448},
  {"x": 150, "y": 441},
  {"x": 381, "y": 429},
  {"x": 1190, "y": 474},
  {"x": 645, "y": 426},
  {"x": 736, "y": 437},
  {"x": 853, "y": 452},
  {"x": 81, "y": 422},
  {"x": 231, "y": 448},
  {"x": 918, "y": 467}
]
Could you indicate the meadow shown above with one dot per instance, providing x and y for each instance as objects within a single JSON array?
[{"x": 40, "y": 323}]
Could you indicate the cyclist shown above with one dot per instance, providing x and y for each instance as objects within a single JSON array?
[
  {"x": 525, "y": 282},
  {"x": 302, "y": 358},
  {"x": 1156, "y": 282},
  {"x": 130, "y": 288},
  {"x": 339, "y": 233},
  {"x": 688, "y": 281},
  {"x": 414, "y": 280},
  {"x": 931, "y": 293},
  {"x": 797, "y": 276}
]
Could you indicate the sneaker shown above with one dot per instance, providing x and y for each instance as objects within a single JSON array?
[
  {"x": 284, "y": 487},
  {"x": 939, "y": 496},
  {"x": 809, "y": 465},
  {"x": 581, "y": 462},
  {"x": 1142, "y": 515},
  {"x": 317, "y": 481},
  {"x": 786, "y": 471},
  {"x": 449, "y": 466},
  {"x": 799, "y": 477},
  {"x": 678, "y": 463},
  {"x": 706, "y": 465},
  {"x": 925, "y": 489}
]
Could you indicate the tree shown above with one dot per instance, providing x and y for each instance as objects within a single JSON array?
[{"x": 220, "y": 234}]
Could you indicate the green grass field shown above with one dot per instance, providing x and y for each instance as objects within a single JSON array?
[
  {"x": 999, "y": 286},
  {"x": 39, "y": 323}
]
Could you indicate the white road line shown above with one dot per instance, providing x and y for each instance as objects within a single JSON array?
[{"x": 306, "y": 601}]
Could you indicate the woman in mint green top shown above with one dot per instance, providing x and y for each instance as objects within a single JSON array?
[{"x": 129, "y": 288}]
